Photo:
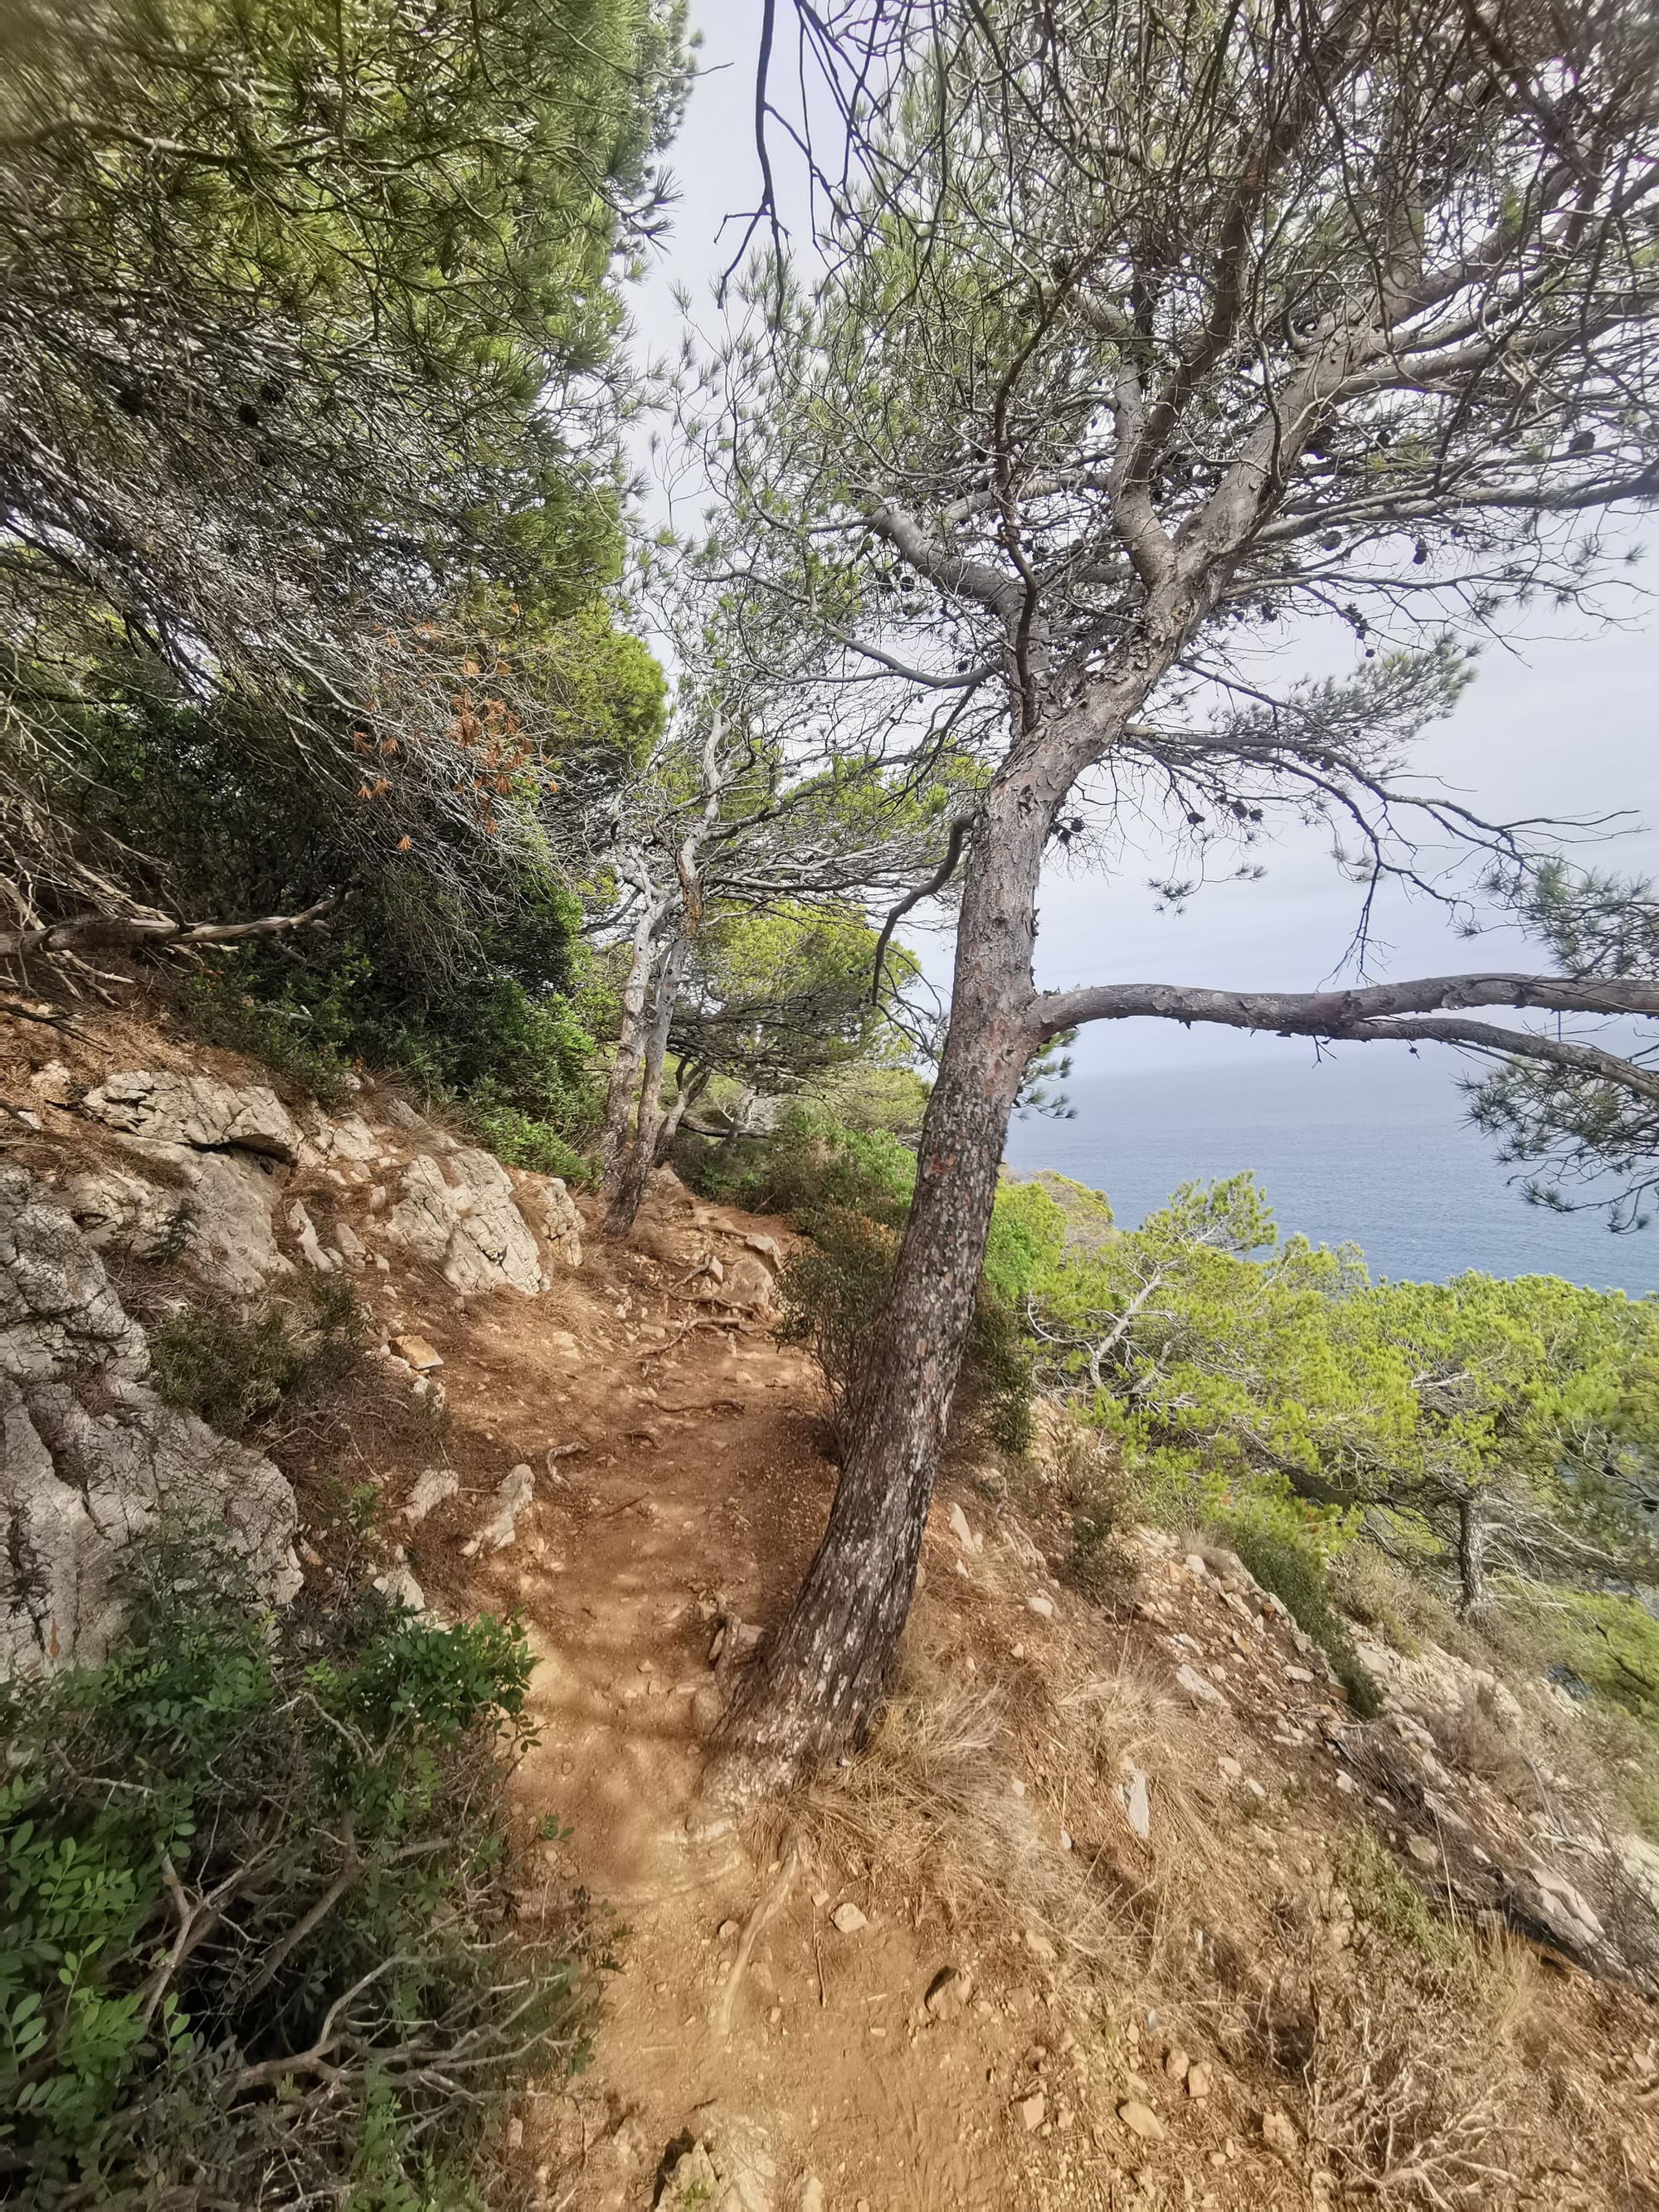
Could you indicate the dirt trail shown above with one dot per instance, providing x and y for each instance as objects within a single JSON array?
[{"x": 1074, "y": 1932}]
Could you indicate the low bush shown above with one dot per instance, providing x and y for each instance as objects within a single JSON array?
[
  {"x": 1298, "y": 1577},
  {"x": 257, "y": 1943},
  {"x": 831, "y": 1293},
  {"x": 237, "y": 1372}
]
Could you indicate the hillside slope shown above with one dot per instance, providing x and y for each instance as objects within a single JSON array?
[{"x": 1122, "y": 1906}]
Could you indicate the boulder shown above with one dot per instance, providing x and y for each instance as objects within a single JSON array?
[
  {"x": 89, "y": 1456},
  {"x": 561, "y": 1223},
  {"x": 213, "y": 1208},
  {"x": 197, "y": 1110},
  {"x": 470, "y": 1227}
]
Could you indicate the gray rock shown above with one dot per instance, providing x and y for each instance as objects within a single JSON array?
[
  {"x": 1136, "y": 1805},
  {"x": 196, "y": 1110},
  {"x": 471, "y": 1228},
  {"x": 431, "y": 1488},
  {"x": 216, "y": 1206},
  {"x": 89, "y": 1456},
  {"x": 516, "y": 1490}
]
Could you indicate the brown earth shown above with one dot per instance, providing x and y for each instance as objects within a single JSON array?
[{"x": 1107, "y": 1945}]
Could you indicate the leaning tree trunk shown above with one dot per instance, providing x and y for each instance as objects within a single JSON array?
[
  {"x": 817, "y": 1686},
  {"x": 689, "y": 1087},
  {"x": 624, "y": 1187}
]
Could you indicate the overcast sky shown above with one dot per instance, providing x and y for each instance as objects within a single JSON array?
[{"x": 1554, "y": 726}]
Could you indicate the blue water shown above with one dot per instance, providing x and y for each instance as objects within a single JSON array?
[{"x": 1348, "y": 1149}]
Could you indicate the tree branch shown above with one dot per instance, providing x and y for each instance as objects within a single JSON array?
[{"x": 144, "y": 929}]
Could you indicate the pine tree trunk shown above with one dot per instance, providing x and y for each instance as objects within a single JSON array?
[
  {"x": 1472, "y": 1529},
  {"x": 817, "y": 1687},
  {"x": 625, "y": 1082},
  {"x": 691, "y": 1086},
  {"x": 632, "y": 1170}
]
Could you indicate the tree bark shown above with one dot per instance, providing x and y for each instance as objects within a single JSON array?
[
  {"x": 690, "y": 1088},
  {"x": 1472, "y": 1529},
  {"x": 621, "y": 1091},
  {"x": 632, "y": 1169},
  {"x": 817, "y": 1686}
]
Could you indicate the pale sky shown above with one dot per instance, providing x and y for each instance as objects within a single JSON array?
[{"x": 1553, "y": 726}]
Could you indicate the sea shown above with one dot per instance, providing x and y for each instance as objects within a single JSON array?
[{"x": 1375, "y": 1151}]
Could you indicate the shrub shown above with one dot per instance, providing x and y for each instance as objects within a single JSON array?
[
  {"x": 237, "y": 1371},
  {"x": 256, "y": 1943},
  {"x": 1296, "y": 1576},
  {"x": 831, "y": 1293}
]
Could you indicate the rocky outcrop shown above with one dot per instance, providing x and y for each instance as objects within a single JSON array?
[
  {"x": 197, "y": 1110},
  {"x": 466, "y": 1223},
  {"x": 204, "y": 1166},
  {"x": 88, "y": 1454}
]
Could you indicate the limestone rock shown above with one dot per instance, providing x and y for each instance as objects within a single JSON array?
[
  {"x": 415, "y": 1351},
  {"x": 1200, "y": 2079},
  {"x": 964, "y": 1534},
  {"x": 197, "y": 1110},
  {"x": 470, "y": 1227},
  {"x": 1200, "y": 1691},
  {"x": 748, "y": 1286},
  {"x": 1136, "y": 1805},
  {"x": 1141, "y": 2120},
  {"x": 768, "y": 1246},
  {"x": 516, "y": 1490},
  {"x": 91, "y": 1456},
  {"x": 1033, "y": 2111},
  {"x": 215, "y": 1206},
  {"x": 948, "y": 1992},
  {"x": 398, "y": 1583},
  {"x": 431, "y": 1488},
  {"x": 311, "y": 1251},
  {"x": 848, "y": 1919},
  {"x": 561, "y": 1223}
]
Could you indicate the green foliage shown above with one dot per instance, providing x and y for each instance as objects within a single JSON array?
[
  {"x": 1609, "y": 1639},
  {"x": 256, "y": 1936},
  {"x": 237, "y": 1371},
  {"x": 831, "y": 1293},
  {"x": 1289, "y": 1387},
  {"x": 1383, "y": 1896},
  {"x": 1296, "y": 1576}
]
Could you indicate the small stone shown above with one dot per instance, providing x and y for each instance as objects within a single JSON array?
[
  {"x": 1141, "y": 2120},
  {"x": 1176, "y": 2064},
  {"x": 1230, "y": 1768},
  {"x": 1041, "y": 1606},
  {"x": 1298, "y": 1674},
  {"x": 1200, "y": 1691},
  {"x": 418, "y": 1352},
  {"x": 961, "y": 1529},
  {"x": 1201, "y": 2079},
  {"x": 1039, "y": 1946},
  {"x": 1066, "y": 1843},
  {"x": 809, "y": 2198},
  {"x": 1015, "y": 1787},
  {"x": 1423, "y": 1849},
  {"x": 848, "y": 1919},
  {"x": 948, "y": 1991},
  {"x": 431, "y": 1488},
  {"x": 1346, "y": 1784},
  {"x": 729, "y": 1931},
  {"x": 1033, "y": 2110},
  {"x": 1136, "y": 1805},
  {"x": 1280, "y": 2134}
]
